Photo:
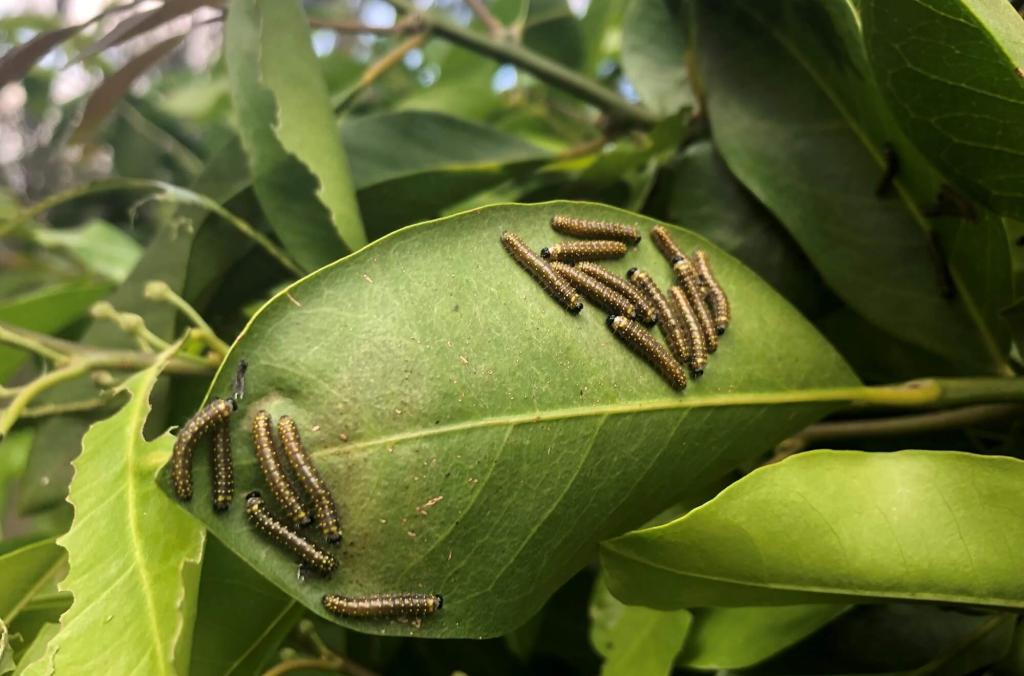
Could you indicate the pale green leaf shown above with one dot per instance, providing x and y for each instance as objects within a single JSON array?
[
  {"x": 830, "y": 526},
  {"x": 646, "y": 642},
  {"x": 305, "y": 121},
  {"x": 429, "y": 367},
  {"x": 129, "y": 549},
  {"x": 734, "y": 638},
  {"x": 100, "y": 246},
  {"x": 952, "y": 74}
]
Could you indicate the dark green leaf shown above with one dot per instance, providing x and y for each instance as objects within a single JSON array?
[
  {"x": 26, "y": 572},
  {"x": 961, "y": 112},
  {"x": 707, "y": 199},
  {"x": 792, "y": 126},
  {"x": 920, "y": 525},
  {"x": 431, "y": 160},
  {"x": 453, "y": 376},
  {"x": 284, "y": 185},
  {"x": 241, "y": 619},
  {"x": 38, "y": 646},
  {"x": 654, "y": 55},
  {"x": 305, "y": 123}
]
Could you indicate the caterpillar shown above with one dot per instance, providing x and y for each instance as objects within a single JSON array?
[
  {"x": 667, "y": 321},
  {"x": 555, "y": 286},
  {"x": 665, "y": 244},
  {"x": 214, "y": 414},
  {"x": 593, "y": 250},
  {"x": 715, "y": 294},
  {"x": 645, "y": 311},
  {"x": 280, "y": 484},
  {"x": 222, "y": 471},
  {"x": 324, "y": 509},
  {"x": 588, "y": 229},
  {"x": 688, "y": 279},
  {"x": 604, "y": 297},
  {"x": 698, "y": 353},
  {"x": 383, "y": 605},
  {"x": 309, "y": 555},
  {"x": 642, "y": 343}
]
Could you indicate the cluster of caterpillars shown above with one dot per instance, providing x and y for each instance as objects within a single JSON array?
[
  {"x": 285, "y": 466},
  {"x": 691, "y": 316}
]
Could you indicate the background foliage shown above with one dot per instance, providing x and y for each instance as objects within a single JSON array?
[{"x": 241, "y": 180}]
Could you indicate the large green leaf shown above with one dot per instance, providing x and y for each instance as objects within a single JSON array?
[
  {"x": 734, "y": 638},
  {"x": 129, "y": 553},
  {"x": 241, "y": 618},
  {"x": 47, "y": 310},
  {"x": 835, "y": 525},
  {"x": 790, "y": 113},
  {"x": 26, "y": 572},
  {"x": 455, "y": 380},
  {"x": 284, "y": 185},
  {"x": 654, "y": 55},
  {"x": 951, "y": 72}
]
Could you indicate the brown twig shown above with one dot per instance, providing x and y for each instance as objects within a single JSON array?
[
  {"x": 495, "y": 27},
  {"x": 893, "y": 426}
]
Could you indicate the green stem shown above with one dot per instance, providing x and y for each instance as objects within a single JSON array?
[
  {"x": 159, "y": 290},
  {"x": 29, "y": 343},
  {"x": 544, "y": 68}
]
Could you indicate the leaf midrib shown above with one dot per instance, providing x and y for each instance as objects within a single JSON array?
[
  {"x": 815, "y": 589},
  {"x": 811, "y": 396}
]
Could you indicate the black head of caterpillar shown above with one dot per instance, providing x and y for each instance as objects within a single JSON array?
[
  {"x": 554, "y": 285},
  {"x": 273, "y": 471},
  {"x": 222, "y": 473},
  {"x": 309, "y": 555},
  {"x": 323, "y": 502},
  {"x": 214, "y": 414},
  {"x": 593, "y": 250},
  {"x": 636, "y": 337},
  {"x": 383, "y": 605},
  {"x": 590, "y": 229}
]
